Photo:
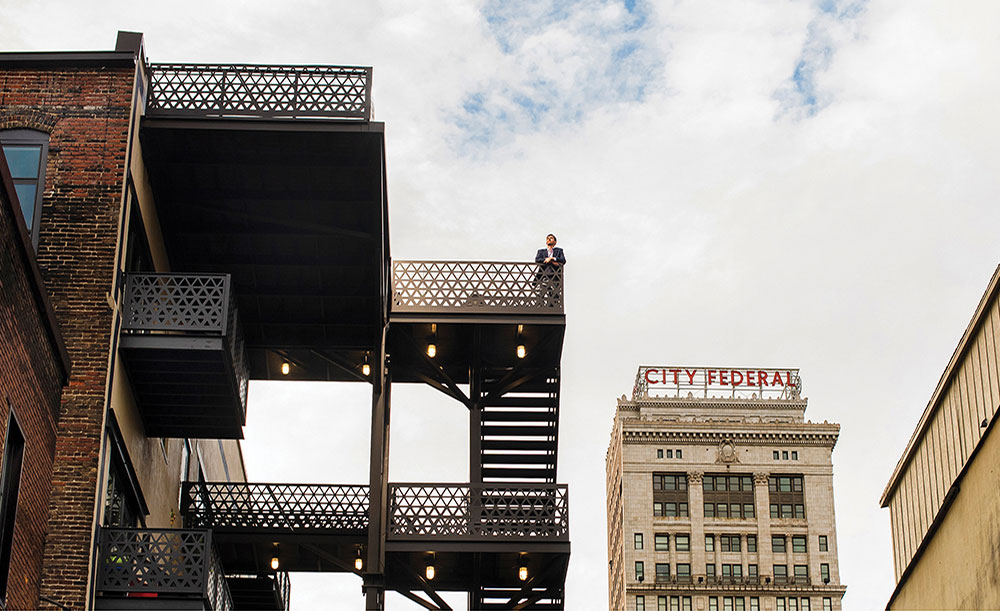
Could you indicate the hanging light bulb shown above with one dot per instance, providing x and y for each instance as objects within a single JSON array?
[
  {"x": 366, "y": 369},
  {"x": 274, "y": 558},
  {"x": 522, "y": 573},
  {"x": 432, "y": 350},
  {"x": 358, "y": 562},
  {"x": 429, "y": 571},
  {"x": 285, "y": 368},
  {"x": 520, "y": 351}
]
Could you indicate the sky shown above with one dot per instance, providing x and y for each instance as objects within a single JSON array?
[{"x": 762, "y": 184}]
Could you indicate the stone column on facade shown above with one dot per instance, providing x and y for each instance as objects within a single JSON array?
[
  {"x": 762, "y": 505},
  {"x": 696, "y": 511}
]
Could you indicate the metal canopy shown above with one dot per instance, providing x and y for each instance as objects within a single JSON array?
[{"x": 296, "y": 212}]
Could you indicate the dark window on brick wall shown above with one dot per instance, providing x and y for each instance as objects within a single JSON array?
[
  {"x": 10, "y": 485},
  {"x": 26, "y": 151}
]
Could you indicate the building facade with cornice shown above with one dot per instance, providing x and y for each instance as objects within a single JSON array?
[{"x": 720, "y": 495}]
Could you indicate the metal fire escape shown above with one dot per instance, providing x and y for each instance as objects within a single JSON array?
[{"x": 270, "y": 190}]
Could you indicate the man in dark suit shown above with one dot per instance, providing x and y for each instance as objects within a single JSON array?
[
  {"x": 550, "y": 260},
  {"x": 551, "y": 256}
]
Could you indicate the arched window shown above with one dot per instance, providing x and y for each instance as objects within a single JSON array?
[{"x": 26, "y": 151}]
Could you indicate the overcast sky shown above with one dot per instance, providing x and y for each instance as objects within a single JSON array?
[{"x": 773, "y": 184}]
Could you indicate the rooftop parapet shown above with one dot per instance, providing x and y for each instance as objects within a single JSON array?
[{"x": 260, "y": 92}]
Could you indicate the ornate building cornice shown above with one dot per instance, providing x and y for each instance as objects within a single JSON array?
[{"x": 827, "y": 436}]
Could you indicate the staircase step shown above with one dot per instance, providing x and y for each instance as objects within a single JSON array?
[
  {"x": 518, "y": 444},
  {"x": 518, "y": 459},
  {"x": 518, "y": 416},
  {"x": 520, "y": 474},
  {"x": 518, "y": 401},
  {"x": 518, "y": 431}
]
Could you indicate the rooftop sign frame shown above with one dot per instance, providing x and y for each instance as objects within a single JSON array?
[{"x": 744, "y": 383}]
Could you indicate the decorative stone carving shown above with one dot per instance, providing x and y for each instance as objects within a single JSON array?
[
  {"x": 695, "y": 477},
  {"x": 760, "y": 478},
  {"x": 727, "y": 452}
]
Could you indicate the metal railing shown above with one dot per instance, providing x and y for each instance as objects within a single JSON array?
[
  {"x": 482, "y": 512},
  {"x": 165, "y": 562},
  {"x": 476, "y": 287},
  {"x": 197, "y": 304},
  {"x": 262, "y": 92},
  {"x": 276, "y": 507}
]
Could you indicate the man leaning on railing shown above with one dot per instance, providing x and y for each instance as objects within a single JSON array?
[{"x": 550, "y": 261}]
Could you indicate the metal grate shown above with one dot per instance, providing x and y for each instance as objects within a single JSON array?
[
  {"x": 265, "y": 92},
  {"x": 476, "y": 286},
  {"x": 462, "y": 512},
  {"x": 180, "y": 563},
  {"x": 285, "y": 507}
]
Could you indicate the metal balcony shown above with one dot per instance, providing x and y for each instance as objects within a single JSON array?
[
  {"x": 160, "y": 569},
  {"x": 475, "y": 287},
  {"x": 183, "y": 350},
  {"x": 259, "y": 92}
]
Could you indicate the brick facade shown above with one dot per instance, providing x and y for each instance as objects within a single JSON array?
[
  {"x": 33, "y": 368},
  {"x": 86, "y": 113}
]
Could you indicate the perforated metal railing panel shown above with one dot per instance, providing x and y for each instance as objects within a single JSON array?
[
  {"x": 463, "y": 512},
  {"x": 284, "y": 507},
  {"x": 177, "y": 302},
  {"x": 476, "y": 287},
  {"x": 167, "y": 562},
  {"x": 268, "y": 92}
]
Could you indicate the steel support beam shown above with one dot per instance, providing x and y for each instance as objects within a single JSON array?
[{"x": 374, "y": 580}]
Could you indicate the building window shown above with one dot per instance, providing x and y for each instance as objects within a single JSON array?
[
  {"x": 713, "y": 603},
  {"x": 752, "y": 570},
  {"x": 795, "y": 455},
  {"x": 679, "y": 454},
  {"x": 754, "y": 604},
  {"x": 710, "y": 570},
  {"x": 728, "y": 496},
  {"x": 780, "y": 604},
  {"x": 787, "y": 499},
  {"x": 784, "y": 455},
  {"x": 709, "y": 543},
  {"x": 780, "y": 573},
  {"x": 732, "y": 570},
  {"x": 661, "y": 542},
  {"x": 10, "y": 486},
  {"x": 778, "y": 544},
  {"x": 637, "y": 541},
  {"x": 804, "y": 604},
  {"x": 827, "y": 604},
  {"x": 685, "y": 603},
  {"x": 639, "y": 572},
  {"x": 824, "y": 572},
  {"x": 793, "y": 604},
  {"x": 801, "y": 572},
  {"x": 752, "y": 543},
  {"x": 683, "y": 572},
  {"x": 670, "y": 495},
  {"x": 670, "y": 453},
  {"x": 659, "y": 453},
  {"x": 776, "y": 455},
  {"x": 682, "y": 543},
  {"x": 661, "y": 603},
  {"x": 26, "y": 151},
  {"x": 662, "y": 572},
  {"x": 640, "y": 603},
  {"x": 823, "y": 545},
  {"x": 729, "y": 543},
  {"x": 799, "y": 544}
]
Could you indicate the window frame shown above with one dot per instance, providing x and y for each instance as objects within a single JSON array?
[{"x": 30, "y": 137}]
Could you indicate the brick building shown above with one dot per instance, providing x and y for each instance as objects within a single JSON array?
[
  {"x": 720, "y": 495},
  {"x": 197, "y": 226},
  {"x": 33, "y": 369}
]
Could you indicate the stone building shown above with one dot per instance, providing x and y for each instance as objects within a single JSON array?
[
  {"x": 942, "y": 496},
  {"x": 720, "y": 495}
]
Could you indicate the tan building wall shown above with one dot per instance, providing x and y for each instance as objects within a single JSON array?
[
  {"x": 733, "y": 437},
  {"x": 942, "y": 496}
]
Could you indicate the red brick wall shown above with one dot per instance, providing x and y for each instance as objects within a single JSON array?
[
  {"x": 31, "y": 378},
  {"x": 86, "y": 111}
]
